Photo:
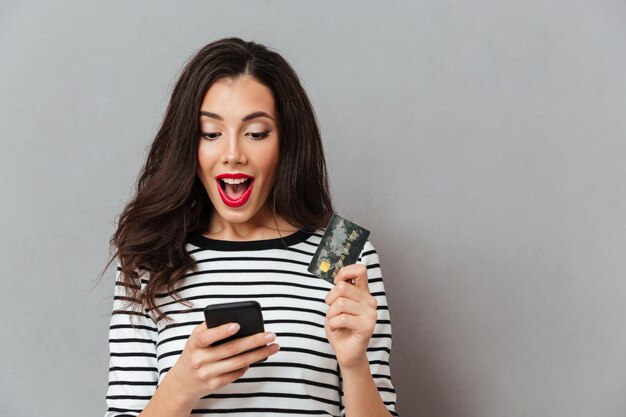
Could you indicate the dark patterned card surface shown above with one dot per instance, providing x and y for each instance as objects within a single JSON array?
[{"x": 341, "y": 245}]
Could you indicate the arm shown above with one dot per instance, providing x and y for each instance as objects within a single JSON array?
[
  {"x": 167, "y": 402},
  {"x": 360, "y": 393},
  {"x": 199, "y": 370},
  {"x": 367, "y": 390},
  {"x": 133, "y": 371}
]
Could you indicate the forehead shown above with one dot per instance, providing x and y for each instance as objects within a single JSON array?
[{"x": 238, "y": 96}]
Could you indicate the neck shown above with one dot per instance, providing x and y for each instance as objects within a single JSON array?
[{"x": 264, "y": 225}]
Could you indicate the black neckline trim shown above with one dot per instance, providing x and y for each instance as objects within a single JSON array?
[{"x": 204, "y": 242}]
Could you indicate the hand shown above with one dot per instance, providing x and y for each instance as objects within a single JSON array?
[
  {"x": 351, "y": 317},
  {"x": 201, "y": 369}
]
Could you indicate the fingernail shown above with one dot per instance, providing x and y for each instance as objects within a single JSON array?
[
  {"x": 274, "y": 348},
  {"x": 233, "y": 327},
  {"x": 270, "y": 336}
]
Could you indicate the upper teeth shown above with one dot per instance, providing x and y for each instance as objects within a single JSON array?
[{"x": 234, "y": 181}]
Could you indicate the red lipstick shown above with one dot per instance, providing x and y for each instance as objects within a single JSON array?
[{"x": 241, "y": 200}]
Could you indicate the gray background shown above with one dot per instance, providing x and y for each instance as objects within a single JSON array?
[{"x": 481, "y": 142}]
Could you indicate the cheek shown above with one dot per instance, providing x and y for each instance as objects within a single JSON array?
[
  {"x": 207, "y": 156},
  {"x": 201, "y": 168},
  {"x": 205, "y": 167},
  {"x": 270, "y": 161}
]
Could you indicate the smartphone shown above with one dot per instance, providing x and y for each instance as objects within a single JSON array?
[{"x": 246, "y": 313}]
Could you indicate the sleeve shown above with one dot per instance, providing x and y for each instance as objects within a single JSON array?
[
  {"x": 379, "y": 349},
  {"x": 133, "y": 372}
]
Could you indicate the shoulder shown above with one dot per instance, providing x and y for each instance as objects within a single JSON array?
[{"x": 369, "y": 254}]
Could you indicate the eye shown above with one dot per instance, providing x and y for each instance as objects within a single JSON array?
[
  {"x": 210, "y": 136},
  {"x": 259, "y": 135}
]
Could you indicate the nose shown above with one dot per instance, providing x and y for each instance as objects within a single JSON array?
[{"x": 233, "y": 154}]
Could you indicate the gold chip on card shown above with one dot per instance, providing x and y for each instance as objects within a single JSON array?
[{"x": 341, "y": 245}]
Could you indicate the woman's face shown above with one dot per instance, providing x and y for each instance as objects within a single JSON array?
[{"x": 239, "y": 135}]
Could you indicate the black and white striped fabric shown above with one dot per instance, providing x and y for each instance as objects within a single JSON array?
[{"x": 303, "y": 378}]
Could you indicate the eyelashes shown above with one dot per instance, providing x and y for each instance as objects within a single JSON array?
[
  {"x": 253, "y": 135},
  {"x": 260, "y": 135},
  {"x": 210, "y": 136}
]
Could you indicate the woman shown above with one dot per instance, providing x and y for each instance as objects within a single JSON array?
[{"x": 230, "y": 206}]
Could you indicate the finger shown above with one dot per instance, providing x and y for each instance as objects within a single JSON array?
[
  {"x": 225, "y": 379},
  {"x": 237, "y": 346},
  {"x": 209, "y": 336},
  {"x": 345, "y": 321},
  {"x": 234, "y": 375},
  {"x": 355, "y": 272},
  {"x": 345, "y": 305},
  {"x": 233, "y": 363},
  {"x": 199, "y": 328},
  {"x": 343, "y": 289}
]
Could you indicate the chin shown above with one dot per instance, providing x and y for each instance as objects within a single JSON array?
[
  {"x": 236, "y": 218},
  {"x": 233, "y": 215}
]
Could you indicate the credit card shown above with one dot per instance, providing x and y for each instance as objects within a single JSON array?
[{"x": 340, "y": 246}]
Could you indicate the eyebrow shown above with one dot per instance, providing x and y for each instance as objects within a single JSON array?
[{"x": 245, "y": 119}]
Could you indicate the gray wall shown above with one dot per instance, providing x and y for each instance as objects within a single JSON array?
[{"x": 481, "y": 142}]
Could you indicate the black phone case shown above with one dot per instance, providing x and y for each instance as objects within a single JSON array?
[{"x": 246, "y": 313}]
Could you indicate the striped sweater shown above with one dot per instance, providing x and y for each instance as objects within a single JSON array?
[{"x": 303, "y": 378}]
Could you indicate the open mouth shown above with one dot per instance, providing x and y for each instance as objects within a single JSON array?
[{"x": 234, "y": 189}]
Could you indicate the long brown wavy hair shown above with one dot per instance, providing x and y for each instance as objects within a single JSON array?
[{"x": 170, "y": 201}]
